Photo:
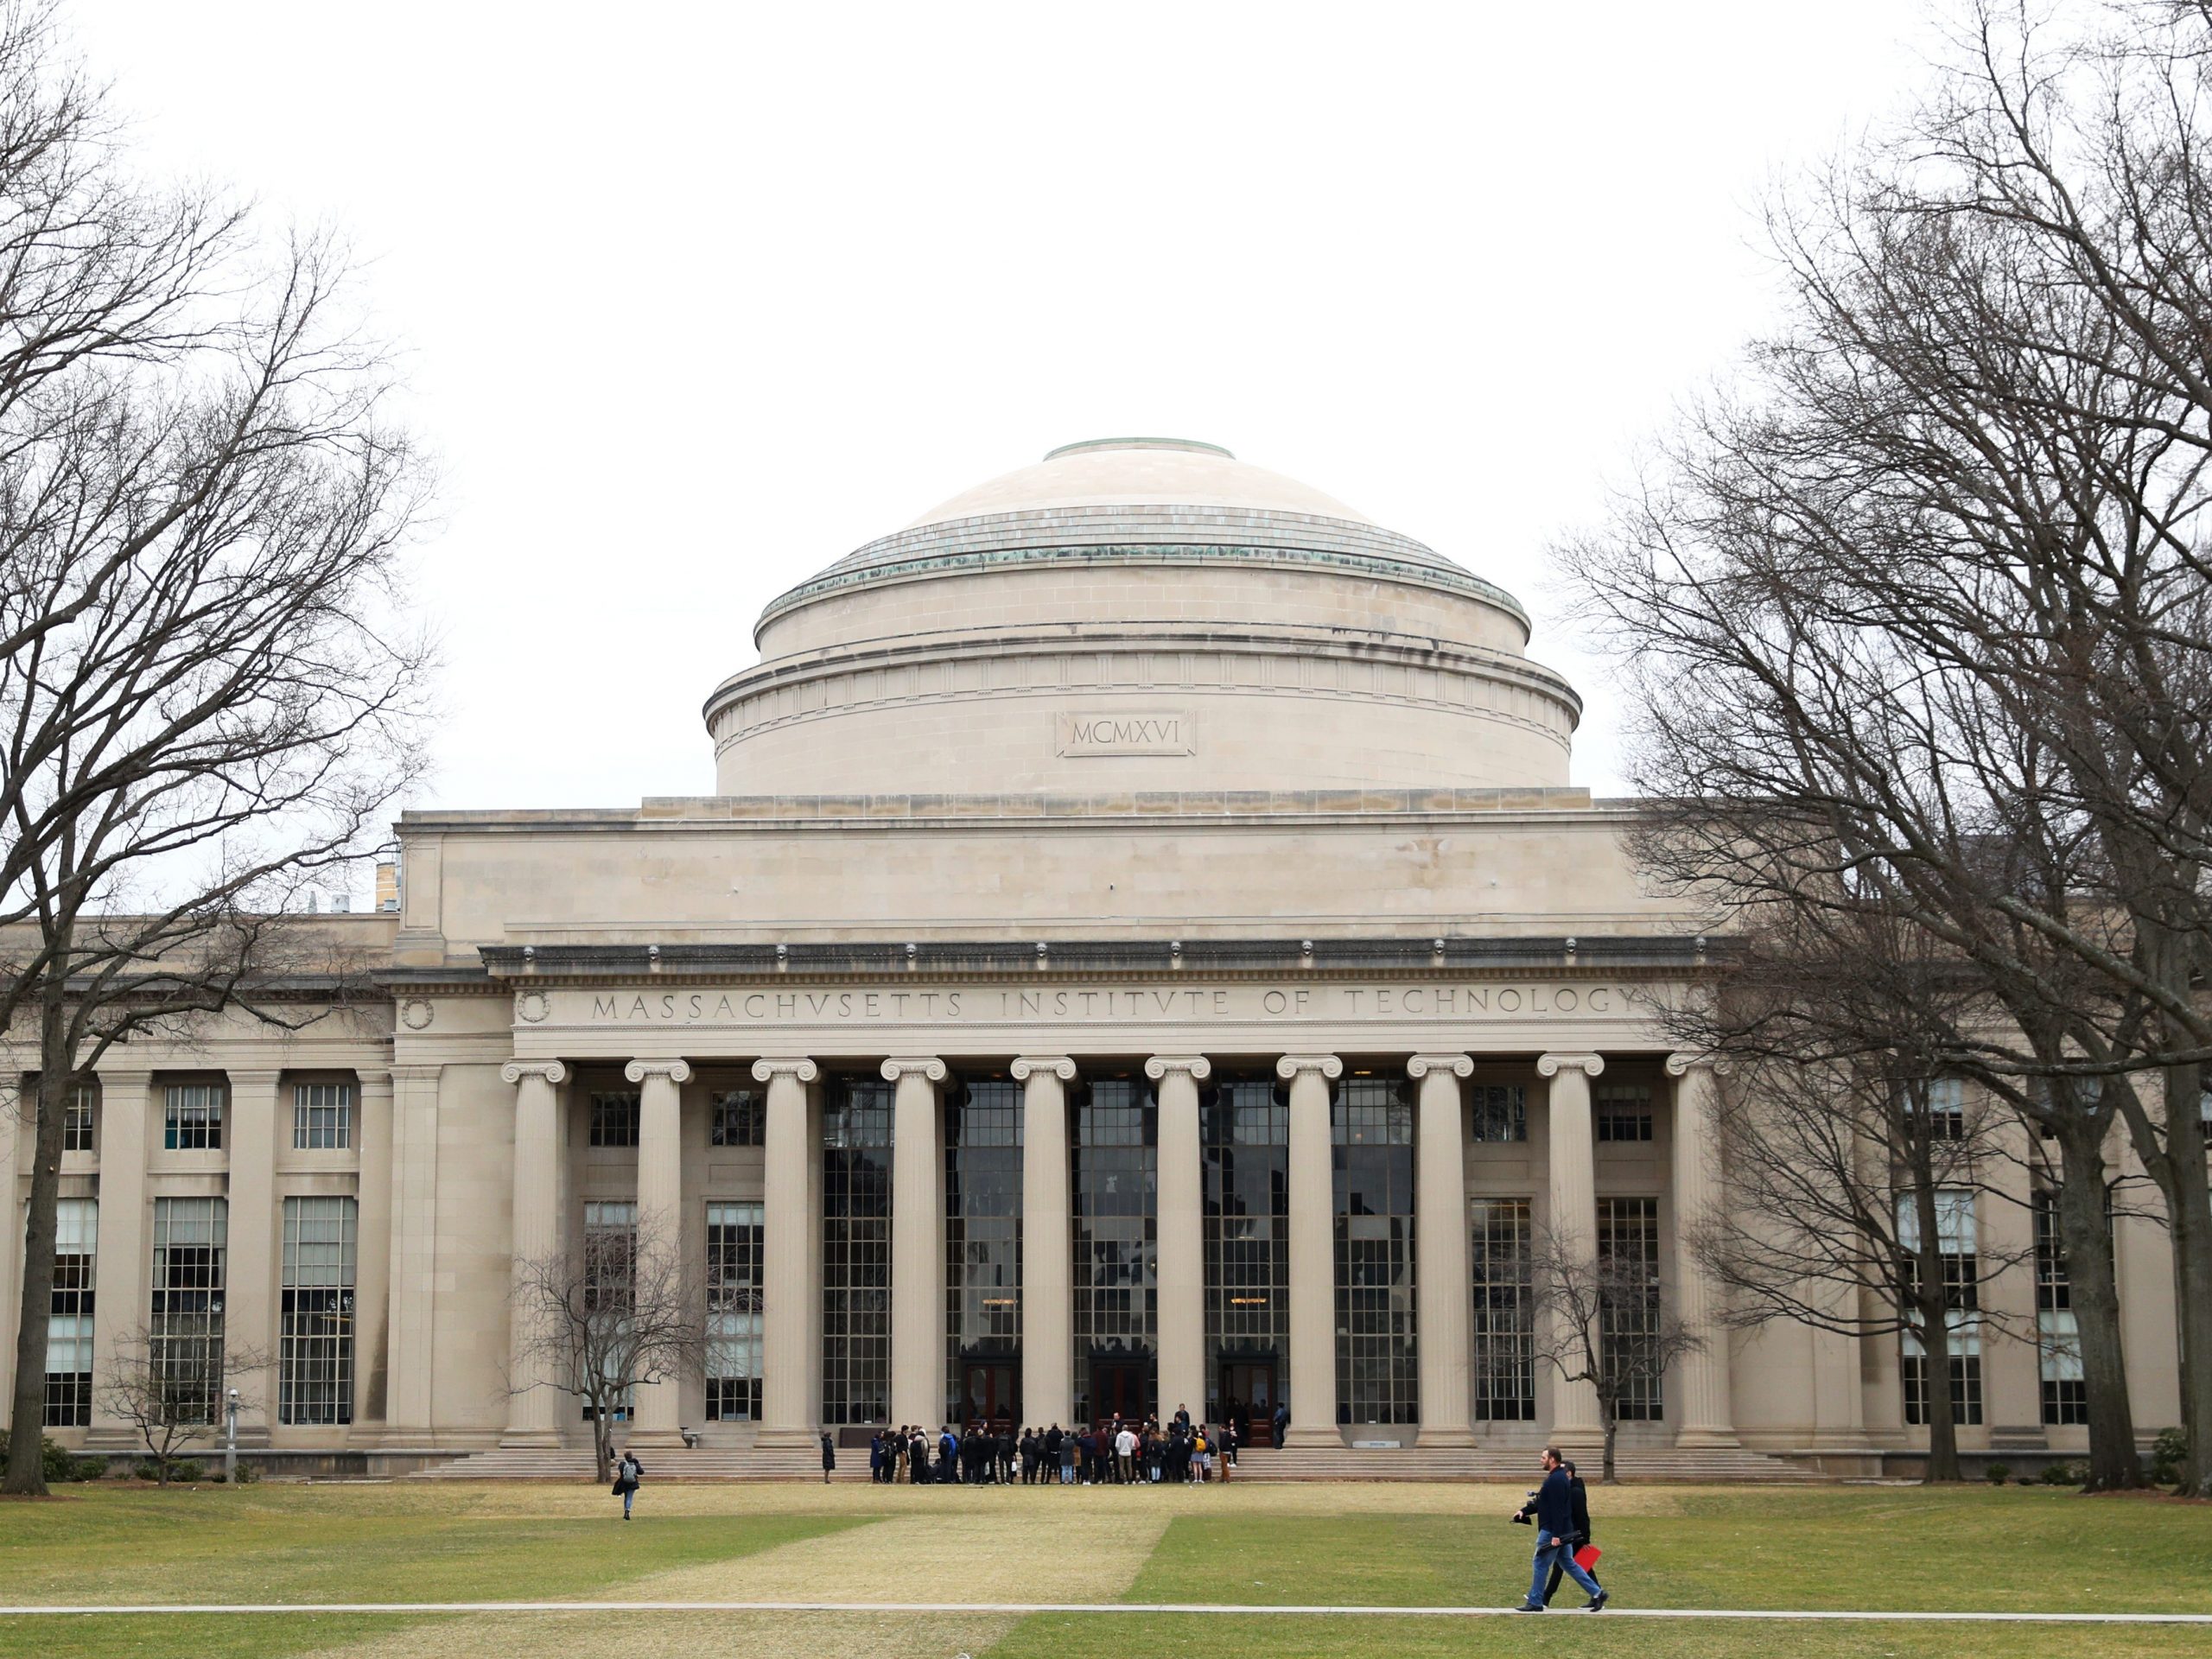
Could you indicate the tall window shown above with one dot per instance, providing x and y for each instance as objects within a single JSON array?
[
  {"x": 1378, "y": 1362},
  {"x": 1955, "y": 1241},
  {"x": 740, "y": 1118},
  {"x": 185, "y": 1322},
  {"x": 315, "y": 1341},
  {"x": 1628, "y": 1242},
  {"x": 610, "y": 1270},
  {"x": 614, "y": 1117},
  {"x": 856, "y": 1251},
  {"x": 732, "y": 1312},
  {"x": 1504, "y": 1323},
  {"x": 78, "y": 1117},
  {"x": 1245, "y": 1133},
  {"x": 1947, "y": 1107},
  {"x": 1116, "y": 1247},
  {"x": 982, "y": 1247},
  {"x": 1621, "y": 1111},
  {"x": 69, "y": 1324},
  {"x": 2058, "y": 1339},
  {"x": 1501, "y": 1111},
  {"x": 322, "y": 1116},
  {"x": 193, "y": 1119}
]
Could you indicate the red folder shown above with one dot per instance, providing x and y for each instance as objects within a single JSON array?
[{"x": 1586, "y": 1557}]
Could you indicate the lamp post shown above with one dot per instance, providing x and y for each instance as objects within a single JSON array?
[{"x": 230, "y": 1437}]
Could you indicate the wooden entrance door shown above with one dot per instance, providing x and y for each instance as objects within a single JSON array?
[
  {"x": 994, "y": 1392},
  {"x": 1121, "y": 1387},
  {"x": 1251, "y": 1384}
]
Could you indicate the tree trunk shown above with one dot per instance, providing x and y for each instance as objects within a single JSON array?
[
  {"x": 1612, "y": 1418},
  {"x": 26, "y": 1472},
  {"x": 2085, "y": 1232},
  {"x": 1932, "y": 1308}
]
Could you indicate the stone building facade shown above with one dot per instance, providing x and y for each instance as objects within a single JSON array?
[{"x": 1144, "y": 952}]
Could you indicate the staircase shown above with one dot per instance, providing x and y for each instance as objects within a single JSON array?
[{"x": 1717, "y": 1466}]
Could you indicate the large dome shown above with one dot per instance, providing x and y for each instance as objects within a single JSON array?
[{"x": 1141, "y": 614}]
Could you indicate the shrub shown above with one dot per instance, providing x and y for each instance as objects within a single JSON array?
[
  {"x": 2170, "y": 1451},
  {"x": 1996, "y": 1473},
  {"x": 187, "y": 1470},
  {"x": 2060, "y": 1474},
  {"x": 248, "y": 1473}
]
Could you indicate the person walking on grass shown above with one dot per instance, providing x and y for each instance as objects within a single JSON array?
[
  {"x": 629, "y": 1475},
  {"x": 1554, "y": 1504}
]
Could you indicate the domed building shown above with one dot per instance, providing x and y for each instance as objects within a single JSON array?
[{"x": 1144, "y": 954}]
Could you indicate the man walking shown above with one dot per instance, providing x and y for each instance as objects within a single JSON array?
[{"x": 1555, "y": 1507}]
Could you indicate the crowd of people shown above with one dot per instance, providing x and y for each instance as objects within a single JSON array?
[{"x": 1115, "y": 1452}]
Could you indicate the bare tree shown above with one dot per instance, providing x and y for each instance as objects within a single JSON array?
[
  {"x": 623, "y": 1309},
  {"x": 1919, "y": 617},
  {"x": 1599, "y": 1321},
  {"x": 208, "y": 695},
  {"x": 172, "y": 1389}
]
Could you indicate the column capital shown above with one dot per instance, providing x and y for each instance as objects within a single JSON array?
[
  {"x": 1198, "y": 1067},
  {"x": 258, "y": 1077},
  {"x": 1550, "y": 1065},
  {"x": 898, "y": 1068},
  {"x": 1058, "y": 1066},
  {"x": 769, "y": 1067},
  {"x": 1420, "y": 1065},
  {"x": 121, "y": 1076},
  {"x": 674, "y": 1070},
  {"x": 372, "y": 1077},
  {"x": 1702, "y": 1060},
  {"x": 550, "y": 1070},
  {"x": 1290, "y": 1065}
]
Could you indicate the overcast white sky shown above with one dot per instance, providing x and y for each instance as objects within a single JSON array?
[{"x": 697, "y": 299}]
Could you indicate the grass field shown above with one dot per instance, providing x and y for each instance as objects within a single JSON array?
[{"x": 1859, "y": 1548}]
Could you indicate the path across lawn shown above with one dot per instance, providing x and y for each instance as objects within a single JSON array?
[{"x": 1023, "y": 1609}]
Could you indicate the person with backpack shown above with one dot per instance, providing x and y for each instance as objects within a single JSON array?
[{"x": 629, "y": 1475}]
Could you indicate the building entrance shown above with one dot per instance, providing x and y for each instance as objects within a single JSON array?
[
  {"x": 1121, "y": 1388},
  {"x": 992, "y": 1393},
  {"x": 1247, "y": 1394}
]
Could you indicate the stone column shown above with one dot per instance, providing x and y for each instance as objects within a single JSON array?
[
  {"x": 1703, "y": 1414},
  {"x": 534, "y": 1408},
  {"x": 254, "y": 1117},
  {"x": 918, "y": 1364},
  {"x": 1572, "y": 1222},
  {"x": 1440, "y": 1218},
  {"x": 1312, "y": 1251},
  {"x": 658, "y": 1406},
  {"x": 1047, "y": 1249},
  {"x": 411, "y": 1325},
  {"x": 120, "y": 1304},
  {"x": 2011, "y": 1356},
  {"x": 1181, "y": 1227},
  {"x": 373, "y": 1243},
  {"x": 790, "y": 1231}
]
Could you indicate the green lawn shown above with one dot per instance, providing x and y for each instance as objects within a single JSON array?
[{"x": 1835, "y": 1547}]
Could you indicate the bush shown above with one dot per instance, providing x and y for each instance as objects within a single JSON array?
[
  {"x": 2170, "y": 1447},
  {"x": 187, "y": 1470},
  {"x": 1996, "y": 1473},
  {"x": 2060, "y": 1474},
  {"x": 248, "y": 1473},
  {"x": 60, "y": 1464}
]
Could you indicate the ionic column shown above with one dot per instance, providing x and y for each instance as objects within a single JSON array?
[
  {"x": 1573, "y": 1218},
  {"x": 1702, "y": 1411},
  {"x": 1440, "y": 1231},
  {"x": 791, "y": 1229},
  {"x": 660, "y": 1405},
  {"x": 120, "y": 1304},
  {"x": 1047, "y": 1250},
  {"x": 1181, "y": 1224},
  {"x": 410, "y": 1325},
  {"x": 372, "y": 1252},
  {"x": 248, "y": 1315},
  {"x": 1312, "y": 1251},
  {"x": 534, "y": 1408},
  {"x": 917, "y": 1365}
]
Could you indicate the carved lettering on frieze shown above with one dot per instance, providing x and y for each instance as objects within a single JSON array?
[{"x": 1130, "y": 731}]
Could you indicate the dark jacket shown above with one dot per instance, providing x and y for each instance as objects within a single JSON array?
[
  {"x": 1578, "y": 1533},
  {"x": 1555, "y": 1504}
]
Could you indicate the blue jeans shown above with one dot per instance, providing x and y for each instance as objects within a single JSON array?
[
  {"x": 1550, "y": 1545},
  {"x": 627, "y": 1495}
]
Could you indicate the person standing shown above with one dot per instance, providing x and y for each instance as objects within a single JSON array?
[
  {"x": 1554, "y": 1504},
  {"x": 1281, "y": 1423},
  {"x": 1125, "y": 1449},
  {"x": 1068, "y": 1448},
  {"x": 828, "y": 1455},
  {"x": 629, "y": 1475}
]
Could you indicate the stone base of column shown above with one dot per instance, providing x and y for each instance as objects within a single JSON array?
[
  {"x": 1302, "y": 1436},
  {"x": 1579, "y": 1441},
  {"x": 1446, "y": 1434},
  {"x": 668, "y": 1440},
  {"x": 1693, "y": 1435},
  {"x": 531, "y": 1438},
  {"x": 113, "y": 1439},
  {"x": 784, "y": 1439}
]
